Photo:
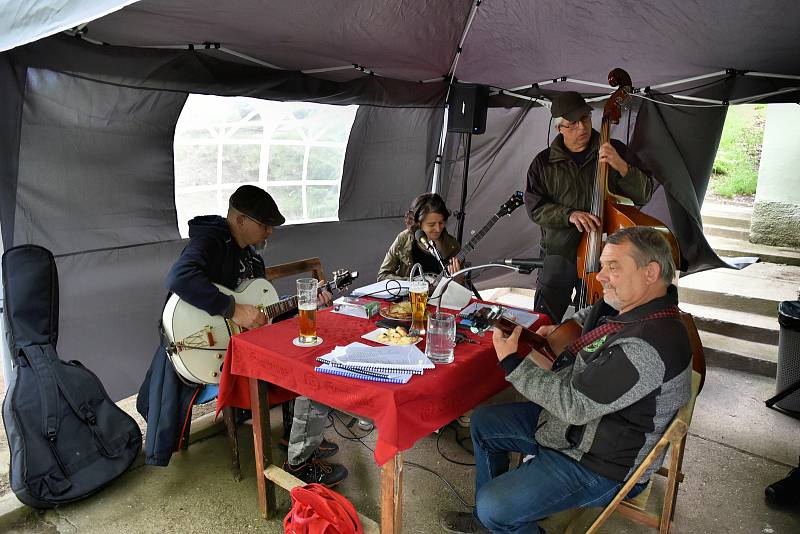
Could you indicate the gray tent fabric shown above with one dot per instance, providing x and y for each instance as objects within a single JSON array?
[
  {"x": 24, "y": 21},
  {"x": 206, "y": 71},
  {"x": 12, "y": 89},
  {"x": 106, "y": 180},
  {"x": 679, "y": 147},
  {"x": 389, "y": 161}
]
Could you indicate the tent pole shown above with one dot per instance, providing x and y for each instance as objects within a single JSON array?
[{"x": 437, "y": 165}]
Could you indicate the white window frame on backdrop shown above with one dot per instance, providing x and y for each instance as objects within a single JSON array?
[{"x": 270, "y": 117}]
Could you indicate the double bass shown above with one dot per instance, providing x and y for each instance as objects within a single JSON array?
[{"x": 613, "y": 211}]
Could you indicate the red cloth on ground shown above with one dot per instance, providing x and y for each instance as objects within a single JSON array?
[
  {"x": 402, "y": 413},
  {"x": 319, "y": 510}
]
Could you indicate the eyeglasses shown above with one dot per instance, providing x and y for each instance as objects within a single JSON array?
[{"x": 585, "y": 121}]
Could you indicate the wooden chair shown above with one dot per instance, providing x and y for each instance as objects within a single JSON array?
[
  {"x": 674, "y": 437},
  {"x": 308, "y": 265}
]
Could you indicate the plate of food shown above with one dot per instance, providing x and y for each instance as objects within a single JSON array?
[
  {"x": 399, "y": 312},
  {"x": 392, "y": 336}
]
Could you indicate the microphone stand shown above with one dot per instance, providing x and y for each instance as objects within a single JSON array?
[{"x": 467, "y": 269}]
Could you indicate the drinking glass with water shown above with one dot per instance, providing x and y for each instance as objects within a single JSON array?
[{"x": 441, "y": 337}]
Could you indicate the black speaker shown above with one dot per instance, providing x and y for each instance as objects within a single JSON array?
[{"x": 468, "y": 103}]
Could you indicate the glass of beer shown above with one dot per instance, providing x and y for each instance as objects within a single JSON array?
[
  {"x": 418, "y": 293},
  {"x": 307, "y": 304}
]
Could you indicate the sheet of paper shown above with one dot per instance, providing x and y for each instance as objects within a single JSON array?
[
  {"x": 386, "y": 289},
  {"x": 407, "y": 356}
]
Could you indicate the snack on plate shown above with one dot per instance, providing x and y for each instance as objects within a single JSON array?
[
  {"x": 396, "y": 336},
  {"x": 401, "y": 310}
]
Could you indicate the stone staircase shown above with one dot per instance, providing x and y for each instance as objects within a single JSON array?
[{"x": 736, "y": 310}]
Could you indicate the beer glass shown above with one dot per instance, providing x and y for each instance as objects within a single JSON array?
[
  {"x": 307, "y": 304},
  {"x": 418, "y": 294}
]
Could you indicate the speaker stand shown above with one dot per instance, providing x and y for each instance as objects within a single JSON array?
[{"x": 461, "y": 214}]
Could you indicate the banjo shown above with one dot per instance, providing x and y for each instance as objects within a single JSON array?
[{"x": 197, "y": 342}]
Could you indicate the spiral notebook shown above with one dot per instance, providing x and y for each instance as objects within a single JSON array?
[
  {"x": 392, "y": 359},
  {"x": 393, "y": 378}
]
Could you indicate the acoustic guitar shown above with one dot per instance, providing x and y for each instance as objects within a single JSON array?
[{"x": 197, "y": 341}]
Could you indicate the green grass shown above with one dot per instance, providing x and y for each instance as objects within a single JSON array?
[{"x": 735, "y": 170}]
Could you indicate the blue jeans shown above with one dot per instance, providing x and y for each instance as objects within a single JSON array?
[{"x": 514, "y": 501}]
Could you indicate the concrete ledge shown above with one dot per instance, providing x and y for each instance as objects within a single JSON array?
[
  {"x": 13, "y": 511},
  {"x": 740, "y": 355}
]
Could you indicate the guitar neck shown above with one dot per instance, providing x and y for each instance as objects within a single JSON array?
[
  {"x": 469, "y": 247},
  {"x": 290, "y": 304}
]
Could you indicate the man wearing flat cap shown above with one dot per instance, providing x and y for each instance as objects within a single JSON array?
[
  {"x": 558, "y": 196},
  {"x": 224, "y": 250}
]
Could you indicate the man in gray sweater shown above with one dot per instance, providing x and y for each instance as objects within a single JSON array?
[{"x": 597, "y": 411}]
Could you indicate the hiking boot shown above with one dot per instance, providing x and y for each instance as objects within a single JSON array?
[
  {"x": 315, "y": 471},
  {"x": 785, "y": 492},
  {"x": 326, "y": 449},
  {"x": 462, "y": 523}
]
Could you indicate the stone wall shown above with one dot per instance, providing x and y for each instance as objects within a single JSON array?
[{"x": 776, "y": 211}]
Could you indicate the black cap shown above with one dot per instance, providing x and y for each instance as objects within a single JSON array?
[
  {"x": 570, "y": 105},
  {"x": 256, "y": 204}
]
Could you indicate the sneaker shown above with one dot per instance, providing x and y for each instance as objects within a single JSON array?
[
  {"x": 465, "y": 420},
  {"x": 462, "y": 523},
  {"x": 785, "y": 492},
  {"x": 326, "y": 449},
  {"x": 314, "y": 471}
]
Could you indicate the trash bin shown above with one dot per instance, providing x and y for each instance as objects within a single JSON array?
[{"x": 789, "y": 353}]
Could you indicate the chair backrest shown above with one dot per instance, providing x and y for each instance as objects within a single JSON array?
[
  {"x": 674, "y": 436},
  {"x": 308, "y": 265},
  {"x": 698, "y": 354}
]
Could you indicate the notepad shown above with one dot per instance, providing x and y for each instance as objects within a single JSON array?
[
  {"x": 397, "y": 359},
  {"x": 393, "y": 378}
]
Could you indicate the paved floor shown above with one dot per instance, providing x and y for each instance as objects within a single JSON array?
[{"x": 735, "y": 449}]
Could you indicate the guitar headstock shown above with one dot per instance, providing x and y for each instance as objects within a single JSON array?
[
  {"x": 516, "y": 200},
  {"x": 343, "y": 278}
]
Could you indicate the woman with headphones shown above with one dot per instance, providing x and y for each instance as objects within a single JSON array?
[{"x": 428, "y": 213}]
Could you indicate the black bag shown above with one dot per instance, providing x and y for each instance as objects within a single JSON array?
[{"x": 67, "y": 438}]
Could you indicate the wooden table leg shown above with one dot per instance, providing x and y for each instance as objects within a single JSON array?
[
  {"x": 262, "y": 445},
  {"x": 229, "y": 416},
  {"x": 392, "y": 495}
]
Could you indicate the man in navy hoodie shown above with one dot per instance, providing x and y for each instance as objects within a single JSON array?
[{"x": 223, "y": 250}]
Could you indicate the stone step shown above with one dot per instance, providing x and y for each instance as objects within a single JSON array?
[
  {"x": 758, "y": 288},
  {"x": 727, "y": 215},
  {"x": 738, "y": 354},
  {"x": 733, "y": 323},
  {"x": 731, "y": 232},
  {"x": 725, "y": 246}
]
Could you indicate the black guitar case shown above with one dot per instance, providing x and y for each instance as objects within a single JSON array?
[{"x": 67, "y": 438}]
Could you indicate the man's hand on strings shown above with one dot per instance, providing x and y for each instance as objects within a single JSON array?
[
  {"x": 608, "y": 154},
  {"x": 584, "y": 221},
  {"x": 545, "y": 331},
  {"x": 505, "y": 346},
  {"x": 325, "y": 297},
  {"x": 248, "y": 316}
]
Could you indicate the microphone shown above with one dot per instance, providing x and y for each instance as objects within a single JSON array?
[
  {"x": 525, "y": 265},
  {"x": 420, "y": 236}
]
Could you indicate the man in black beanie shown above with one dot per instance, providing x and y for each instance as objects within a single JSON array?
[
  {"x": 558, "y": 196},
  {"x": 223, "y": 250}
]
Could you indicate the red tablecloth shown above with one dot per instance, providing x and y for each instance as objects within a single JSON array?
[{"x": 402, "y": 413}]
